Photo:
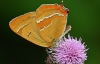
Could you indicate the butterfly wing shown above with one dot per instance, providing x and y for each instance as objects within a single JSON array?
[
  {"x": 25, "y": 26},
  {"x": 51, "y": 22}
]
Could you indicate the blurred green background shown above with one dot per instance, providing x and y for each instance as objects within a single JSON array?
[{"x": 84, "y": 17}]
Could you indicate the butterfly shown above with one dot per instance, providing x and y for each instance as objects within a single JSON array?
[{"x": 44, "y": 26}]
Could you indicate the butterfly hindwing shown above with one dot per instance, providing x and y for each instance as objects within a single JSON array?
[{"x": 25, "y": 26}]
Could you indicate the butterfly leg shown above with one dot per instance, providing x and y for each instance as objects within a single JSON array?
[{"x": 67, "y": 29}]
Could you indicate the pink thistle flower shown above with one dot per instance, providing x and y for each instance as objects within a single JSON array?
[{"x": 68, "y": 51}]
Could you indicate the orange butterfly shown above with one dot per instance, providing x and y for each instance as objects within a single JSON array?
[{"x": 44, "y": 27}]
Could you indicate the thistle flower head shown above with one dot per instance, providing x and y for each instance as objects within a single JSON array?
[{"x": 68, "y": 51}]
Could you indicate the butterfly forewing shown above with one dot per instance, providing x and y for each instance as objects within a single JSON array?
[{"x": 52, "y": 22}]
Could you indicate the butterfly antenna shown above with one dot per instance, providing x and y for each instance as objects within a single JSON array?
[{"x": 62, "y": 3}]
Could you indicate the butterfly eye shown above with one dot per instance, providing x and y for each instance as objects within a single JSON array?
[{"x": 67, "y": 11}]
